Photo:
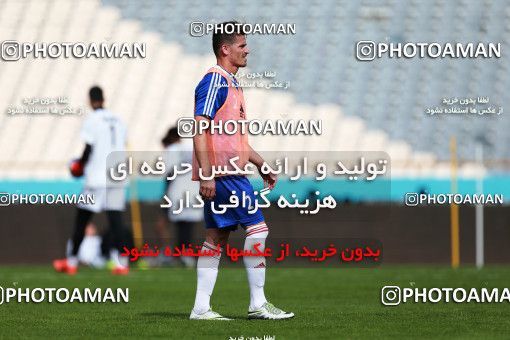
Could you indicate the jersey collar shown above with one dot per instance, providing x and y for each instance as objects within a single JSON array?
[{"x": 231, "y": 75}]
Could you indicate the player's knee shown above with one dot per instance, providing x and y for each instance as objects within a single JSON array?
[
  {"x": 212, "y": 240},
  {"x": 216, "y": 239}
]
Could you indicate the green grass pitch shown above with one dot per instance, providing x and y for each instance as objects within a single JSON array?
[{"x": 328, "y": 303}]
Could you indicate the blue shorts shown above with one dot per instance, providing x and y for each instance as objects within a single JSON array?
[{"x": 233, "y": 216}]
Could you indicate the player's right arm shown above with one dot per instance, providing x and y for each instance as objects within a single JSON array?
[
  {"x": 210, "y": 94},
  {"x": 207, "y": 186}
]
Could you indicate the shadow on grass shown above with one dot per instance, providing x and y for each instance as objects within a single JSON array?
[
  {"x": 181, "y": 316},
  {"x": 170, "y": 315}
]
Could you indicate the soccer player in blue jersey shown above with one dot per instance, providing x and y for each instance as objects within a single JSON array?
[{"x": 218, "y": 97}]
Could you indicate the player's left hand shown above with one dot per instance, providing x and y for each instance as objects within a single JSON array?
[
  {"x": 76, "y": 168},
  {"x": 269, "y": 180}
]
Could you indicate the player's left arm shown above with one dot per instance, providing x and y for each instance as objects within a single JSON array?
[
  {"x": 86, "y": 154},
  {"x": 258, "y": 161},
  {"x": 88, "y": 135}
]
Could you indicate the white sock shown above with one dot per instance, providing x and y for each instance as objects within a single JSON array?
[
  {"x": 69, "y": 249},
  {"x": 207, "y": 272},
  {"x": 72, "y": 261},
  {"x": 256, "y": 266},
  {"x": 124, "y": 261},
  {"x": 116, "y": 258}
]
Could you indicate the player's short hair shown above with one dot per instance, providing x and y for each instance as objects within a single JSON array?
[
  {"x": 220, "y": 35},
  {"x": 96, "y": 94},
  {"x": 171, "y": 136}
]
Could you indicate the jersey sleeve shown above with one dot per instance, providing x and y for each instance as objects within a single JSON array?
[
  {"x": 88, "y": 131},
  {"x": 123, "y": 135},
  {"x": 210, "y": 94}
]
